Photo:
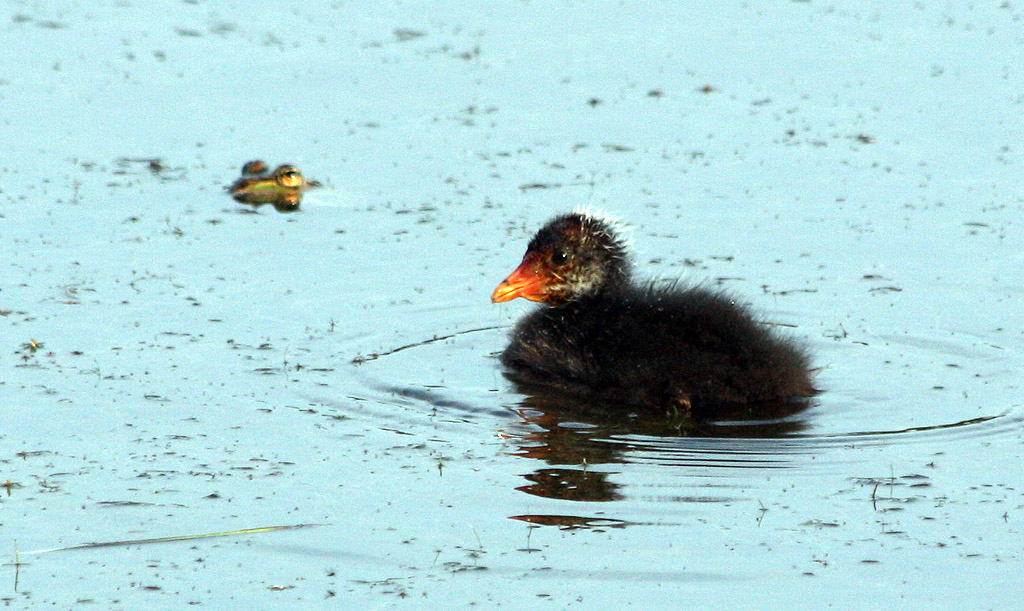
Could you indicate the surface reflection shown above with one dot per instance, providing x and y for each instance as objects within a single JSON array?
[{"x": 574, "y": 438}]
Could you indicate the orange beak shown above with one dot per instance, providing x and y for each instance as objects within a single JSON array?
[{"x": 528, "y": 282}]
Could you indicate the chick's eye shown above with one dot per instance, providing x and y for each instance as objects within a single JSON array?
[{"x": 559, "y": 257}]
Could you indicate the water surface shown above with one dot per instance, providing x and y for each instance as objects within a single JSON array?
[{"x": 179, "y": 364}]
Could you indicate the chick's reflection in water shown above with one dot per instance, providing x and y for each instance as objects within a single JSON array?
[
  {"x": 569, "y": 445},
  {"x": 580, "y": 443}
]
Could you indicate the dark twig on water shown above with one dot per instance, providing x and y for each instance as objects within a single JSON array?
[{"x": 362, "y": 358}]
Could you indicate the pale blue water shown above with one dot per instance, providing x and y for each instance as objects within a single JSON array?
[{"x": 853, "y": 172}]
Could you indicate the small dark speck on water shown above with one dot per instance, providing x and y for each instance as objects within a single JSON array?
[{"x": 404, "y": 34}]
